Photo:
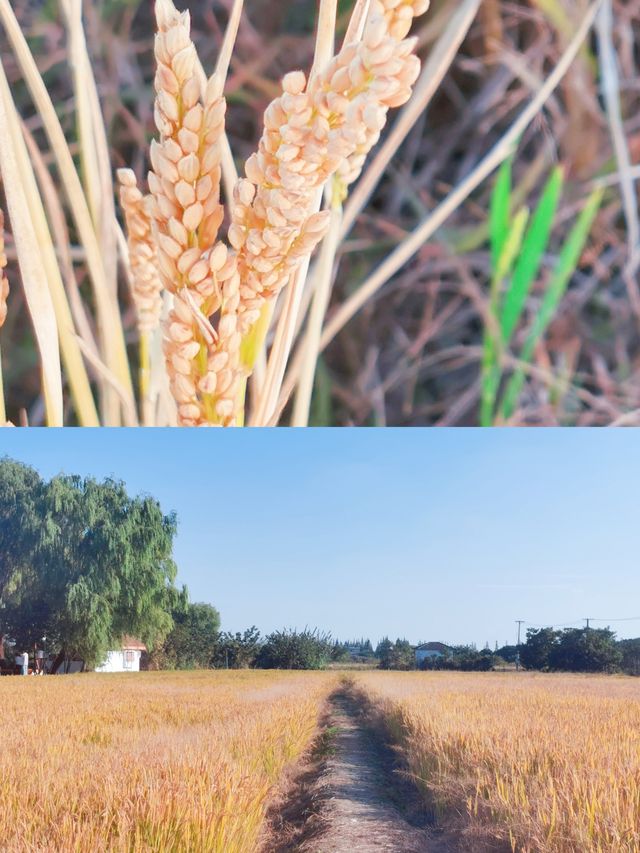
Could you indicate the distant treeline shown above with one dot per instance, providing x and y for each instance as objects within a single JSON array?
[{"x": 196, "y": 642}]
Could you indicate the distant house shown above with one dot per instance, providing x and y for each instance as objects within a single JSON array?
[
  {"x": 431, "y": 650},
  {"x": 125, "y": 659}
]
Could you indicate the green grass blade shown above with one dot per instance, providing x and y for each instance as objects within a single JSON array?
[
  {"x": 499, "y": 208},
  {"x": 528, "y": 263},
  {"x": 492, "y": 346},
  {"x": 564, "y": 269}
]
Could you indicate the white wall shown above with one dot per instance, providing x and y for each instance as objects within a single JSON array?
[{"x": 121, "y": 661}]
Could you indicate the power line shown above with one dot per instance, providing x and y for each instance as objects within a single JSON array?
[
  {"x": 588, "y": 620},
  {"x": 619, "y": 619}
]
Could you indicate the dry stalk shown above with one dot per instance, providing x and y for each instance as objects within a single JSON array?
[
  {"x": 4, "y": 293},
  {"x": 4, "y": 282}
]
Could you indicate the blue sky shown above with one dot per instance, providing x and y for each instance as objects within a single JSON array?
[{"x": 429, "y": 534}]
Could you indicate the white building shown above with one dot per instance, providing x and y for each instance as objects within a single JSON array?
[{"x": 125, "y": 659}]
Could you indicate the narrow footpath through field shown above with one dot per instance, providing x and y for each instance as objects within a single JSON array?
[{"x": 351, "y": 797}]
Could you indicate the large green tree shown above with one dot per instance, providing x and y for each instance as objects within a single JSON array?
[
  {"x": 587, "y": 650},
  {"x": 630, "y": 655},
  {"x": 537, "y": 651},
  {"x": 239, "y": 650},
  {"x": 194, "y": 640},
  {"x": 21, "y": 532},
  {"x": 91, "y": 564},
  {"x": 398, "y": 655}
]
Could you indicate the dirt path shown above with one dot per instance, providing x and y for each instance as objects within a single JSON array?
[
  {"x": 360, "y": 814},
  {"x": 350, "y": 797}
]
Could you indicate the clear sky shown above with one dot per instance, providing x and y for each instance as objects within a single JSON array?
[{"x": 444, "y": 535}]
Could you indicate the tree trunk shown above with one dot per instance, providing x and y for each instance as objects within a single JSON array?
[{"x": 59, "y": 660}]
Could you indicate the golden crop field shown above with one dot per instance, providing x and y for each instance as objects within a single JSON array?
[
  {"x": 152, "y": 762},
  {"x": 549, "y": 762}
]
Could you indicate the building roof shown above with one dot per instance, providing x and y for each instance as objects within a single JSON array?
[
  {"x": 130, "y": 644},
  {"x": 432, "y": 647}
]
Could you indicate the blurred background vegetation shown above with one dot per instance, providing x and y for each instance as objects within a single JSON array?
[{"x": 413, "y": 355}]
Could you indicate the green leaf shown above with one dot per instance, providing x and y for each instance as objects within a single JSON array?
[
  {"x": 564, "y": 269},
  {"x": 528, "y": 263},
  {"x": 492, "y": 347},
  {"x": 499, "y": 208}
]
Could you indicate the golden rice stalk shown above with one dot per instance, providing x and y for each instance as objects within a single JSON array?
[
  {"x": 386, "y": 66},
  {"x": 313, "y": 131},
  {"x": 185, "y": 185}
]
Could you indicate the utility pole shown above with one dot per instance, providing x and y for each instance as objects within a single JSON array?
[
  {"x": 587, "y": 620},
  {"x": 519, "y": 623}
]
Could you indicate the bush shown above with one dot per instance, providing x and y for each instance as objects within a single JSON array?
[{"x": 295, "y": 650}]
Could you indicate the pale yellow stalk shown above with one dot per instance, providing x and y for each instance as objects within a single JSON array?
[
  {"x": 4, "y": 293},
  {"x": 72, "y": 359},
  {"x": 33, "y": 274},
  {"x": 108, "y": 319}
]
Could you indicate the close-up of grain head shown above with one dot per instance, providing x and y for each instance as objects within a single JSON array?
[{"x": 330, "y": 213}]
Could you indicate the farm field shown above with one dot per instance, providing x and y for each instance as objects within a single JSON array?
[
  {"x": 542, "y": 762},
  {"x": 199, "y": 761},
  {"x": 156, "y": 761}
]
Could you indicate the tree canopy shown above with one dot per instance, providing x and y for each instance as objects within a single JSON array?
[
  {"x": 194, "y": 640},
  {"x": 573, "y": 650},
  {"x": 83, "y": 563}
]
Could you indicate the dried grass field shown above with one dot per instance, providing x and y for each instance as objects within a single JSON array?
[
  {"x": 546, "y": 762},
  {"x": 155, "y": 762}
]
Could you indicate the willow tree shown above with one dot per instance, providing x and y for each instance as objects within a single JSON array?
[{"x": 92, "y": 564}]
